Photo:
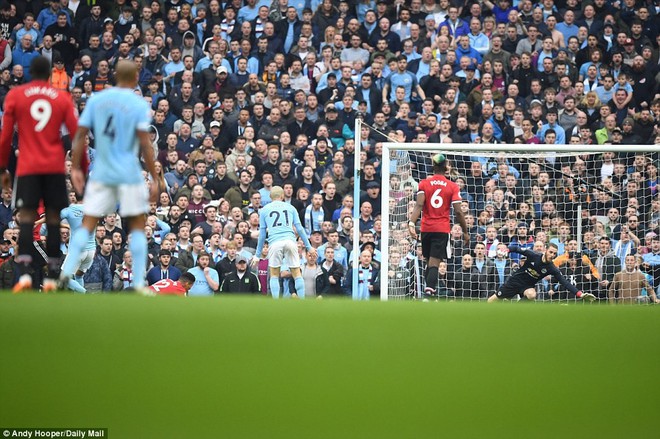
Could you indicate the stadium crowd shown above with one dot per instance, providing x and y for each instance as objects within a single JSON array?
[{"x": 249, "y": 94}]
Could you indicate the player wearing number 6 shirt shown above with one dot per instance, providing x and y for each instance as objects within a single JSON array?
[
  {"x": 435, "y": 197},
  {"x": 38, "y": 112},
  {"x": 120, "y": 122},
  {"x": 277, "y": 220}
]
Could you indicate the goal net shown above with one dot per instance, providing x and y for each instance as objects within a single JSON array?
[{"x": 598, "y": 204}]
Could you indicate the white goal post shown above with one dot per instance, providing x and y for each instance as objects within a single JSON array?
[{"x": 395, "y": 155}]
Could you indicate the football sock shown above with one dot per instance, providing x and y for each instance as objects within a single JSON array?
[
  {"x": 25, "y": 248},
  {"x": 138, "y": 248},
  {"x": 76, "y": 245},
  {"x": 432, "y": 278},
  {"x": 53, "y": 242},
  {"x": 300, "y": 287},
  {"x": 274, "y": 287}
]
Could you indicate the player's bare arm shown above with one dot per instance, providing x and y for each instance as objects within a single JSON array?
[
  {"x": 148, "y": 157},
  {"x": 77, "y": 152},
  {"x": 414, "y": 216}
]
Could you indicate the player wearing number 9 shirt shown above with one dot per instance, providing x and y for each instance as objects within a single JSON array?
[
  {"x": 38, "y": 112},
  {"x": 278, "y": 220},
  {"x": 435, "y": 197}
]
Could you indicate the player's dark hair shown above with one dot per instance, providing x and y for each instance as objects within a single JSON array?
[
  {"x": 439, "y": 164},
  {"x": 552, "y": 244},
  {"x": 40, "y": 68},
  {"x": 187, "y": 277}
]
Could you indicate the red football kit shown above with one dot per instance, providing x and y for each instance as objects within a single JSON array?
[
  {"x": 39, "y": 138},
  {"x": 440, "y": 193},
  {"x": 168, "y": 286}
]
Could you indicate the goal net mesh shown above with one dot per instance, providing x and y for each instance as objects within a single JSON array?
[{"x": 596, "y": 207}]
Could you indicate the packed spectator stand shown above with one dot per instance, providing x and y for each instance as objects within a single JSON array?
[{"x": 248, "y": 94}]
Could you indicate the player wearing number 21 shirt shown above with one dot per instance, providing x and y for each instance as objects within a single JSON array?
[
  {"x": 435, "y": 197},
  {"x": 276, "y": 224},
  {"x": 37, "y": 111}
]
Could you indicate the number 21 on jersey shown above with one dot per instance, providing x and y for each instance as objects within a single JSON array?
[{"x": 276, "y": 216}]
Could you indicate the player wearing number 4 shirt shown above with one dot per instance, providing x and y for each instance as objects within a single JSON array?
[
  {"x": 277, "y": 220},
  {"x": 120, "y": 122},
  {"x": 435, "y": 197},
  {"x": 38, "y": 112}
]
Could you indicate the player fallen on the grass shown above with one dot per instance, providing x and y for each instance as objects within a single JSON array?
[
  {"x": 536, "y": 267},
  {"x": 174, "y": 287}
]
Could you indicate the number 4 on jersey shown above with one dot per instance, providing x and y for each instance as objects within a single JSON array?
[{"x": 109, "y": 130}]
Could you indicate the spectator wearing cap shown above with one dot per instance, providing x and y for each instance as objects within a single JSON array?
[
  {"x": 373, "y": 196},
  {"x": 241, "y": 281},
  {"x": 59, "y": 79},
  {"x": 331, "y": 67},
  {"x": 164, "y": 270},
  {"x": 629, "y": 133},
  {"x": 5, "y": 250}
]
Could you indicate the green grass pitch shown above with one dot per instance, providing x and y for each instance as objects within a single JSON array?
[{"x": 247, "y": 368}]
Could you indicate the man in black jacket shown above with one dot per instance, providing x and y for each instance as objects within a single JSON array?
[
  {"x": 334, "y": 272},
  {"x": 242, "y": 280}
]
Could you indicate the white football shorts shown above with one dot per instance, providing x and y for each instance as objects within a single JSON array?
[
  {"x": 286, "y": 251},
  {"x": 101, "y": 199},
  {"x": 86, "y": 259}
]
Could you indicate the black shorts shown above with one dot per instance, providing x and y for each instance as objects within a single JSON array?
[
  {"x": 31, "y": 189},
  {"x": 436, "y": 245},
  {"x": 505, "y": 292}
]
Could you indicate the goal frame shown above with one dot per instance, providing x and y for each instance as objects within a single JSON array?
[{"x": 470, "y": 148}]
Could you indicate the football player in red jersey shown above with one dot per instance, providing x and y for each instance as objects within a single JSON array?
[
  {"x": 168, "y": 286},
  {"x": 38, "y": 112},
  {"x": 435, "y": 197}
]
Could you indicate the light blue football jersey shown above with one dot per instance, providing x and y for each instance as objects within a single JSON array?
[
  {"x": 74, "y": 216},
  {"x": 114, "y": 116},
  {"x": 278, "y": 219}
]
